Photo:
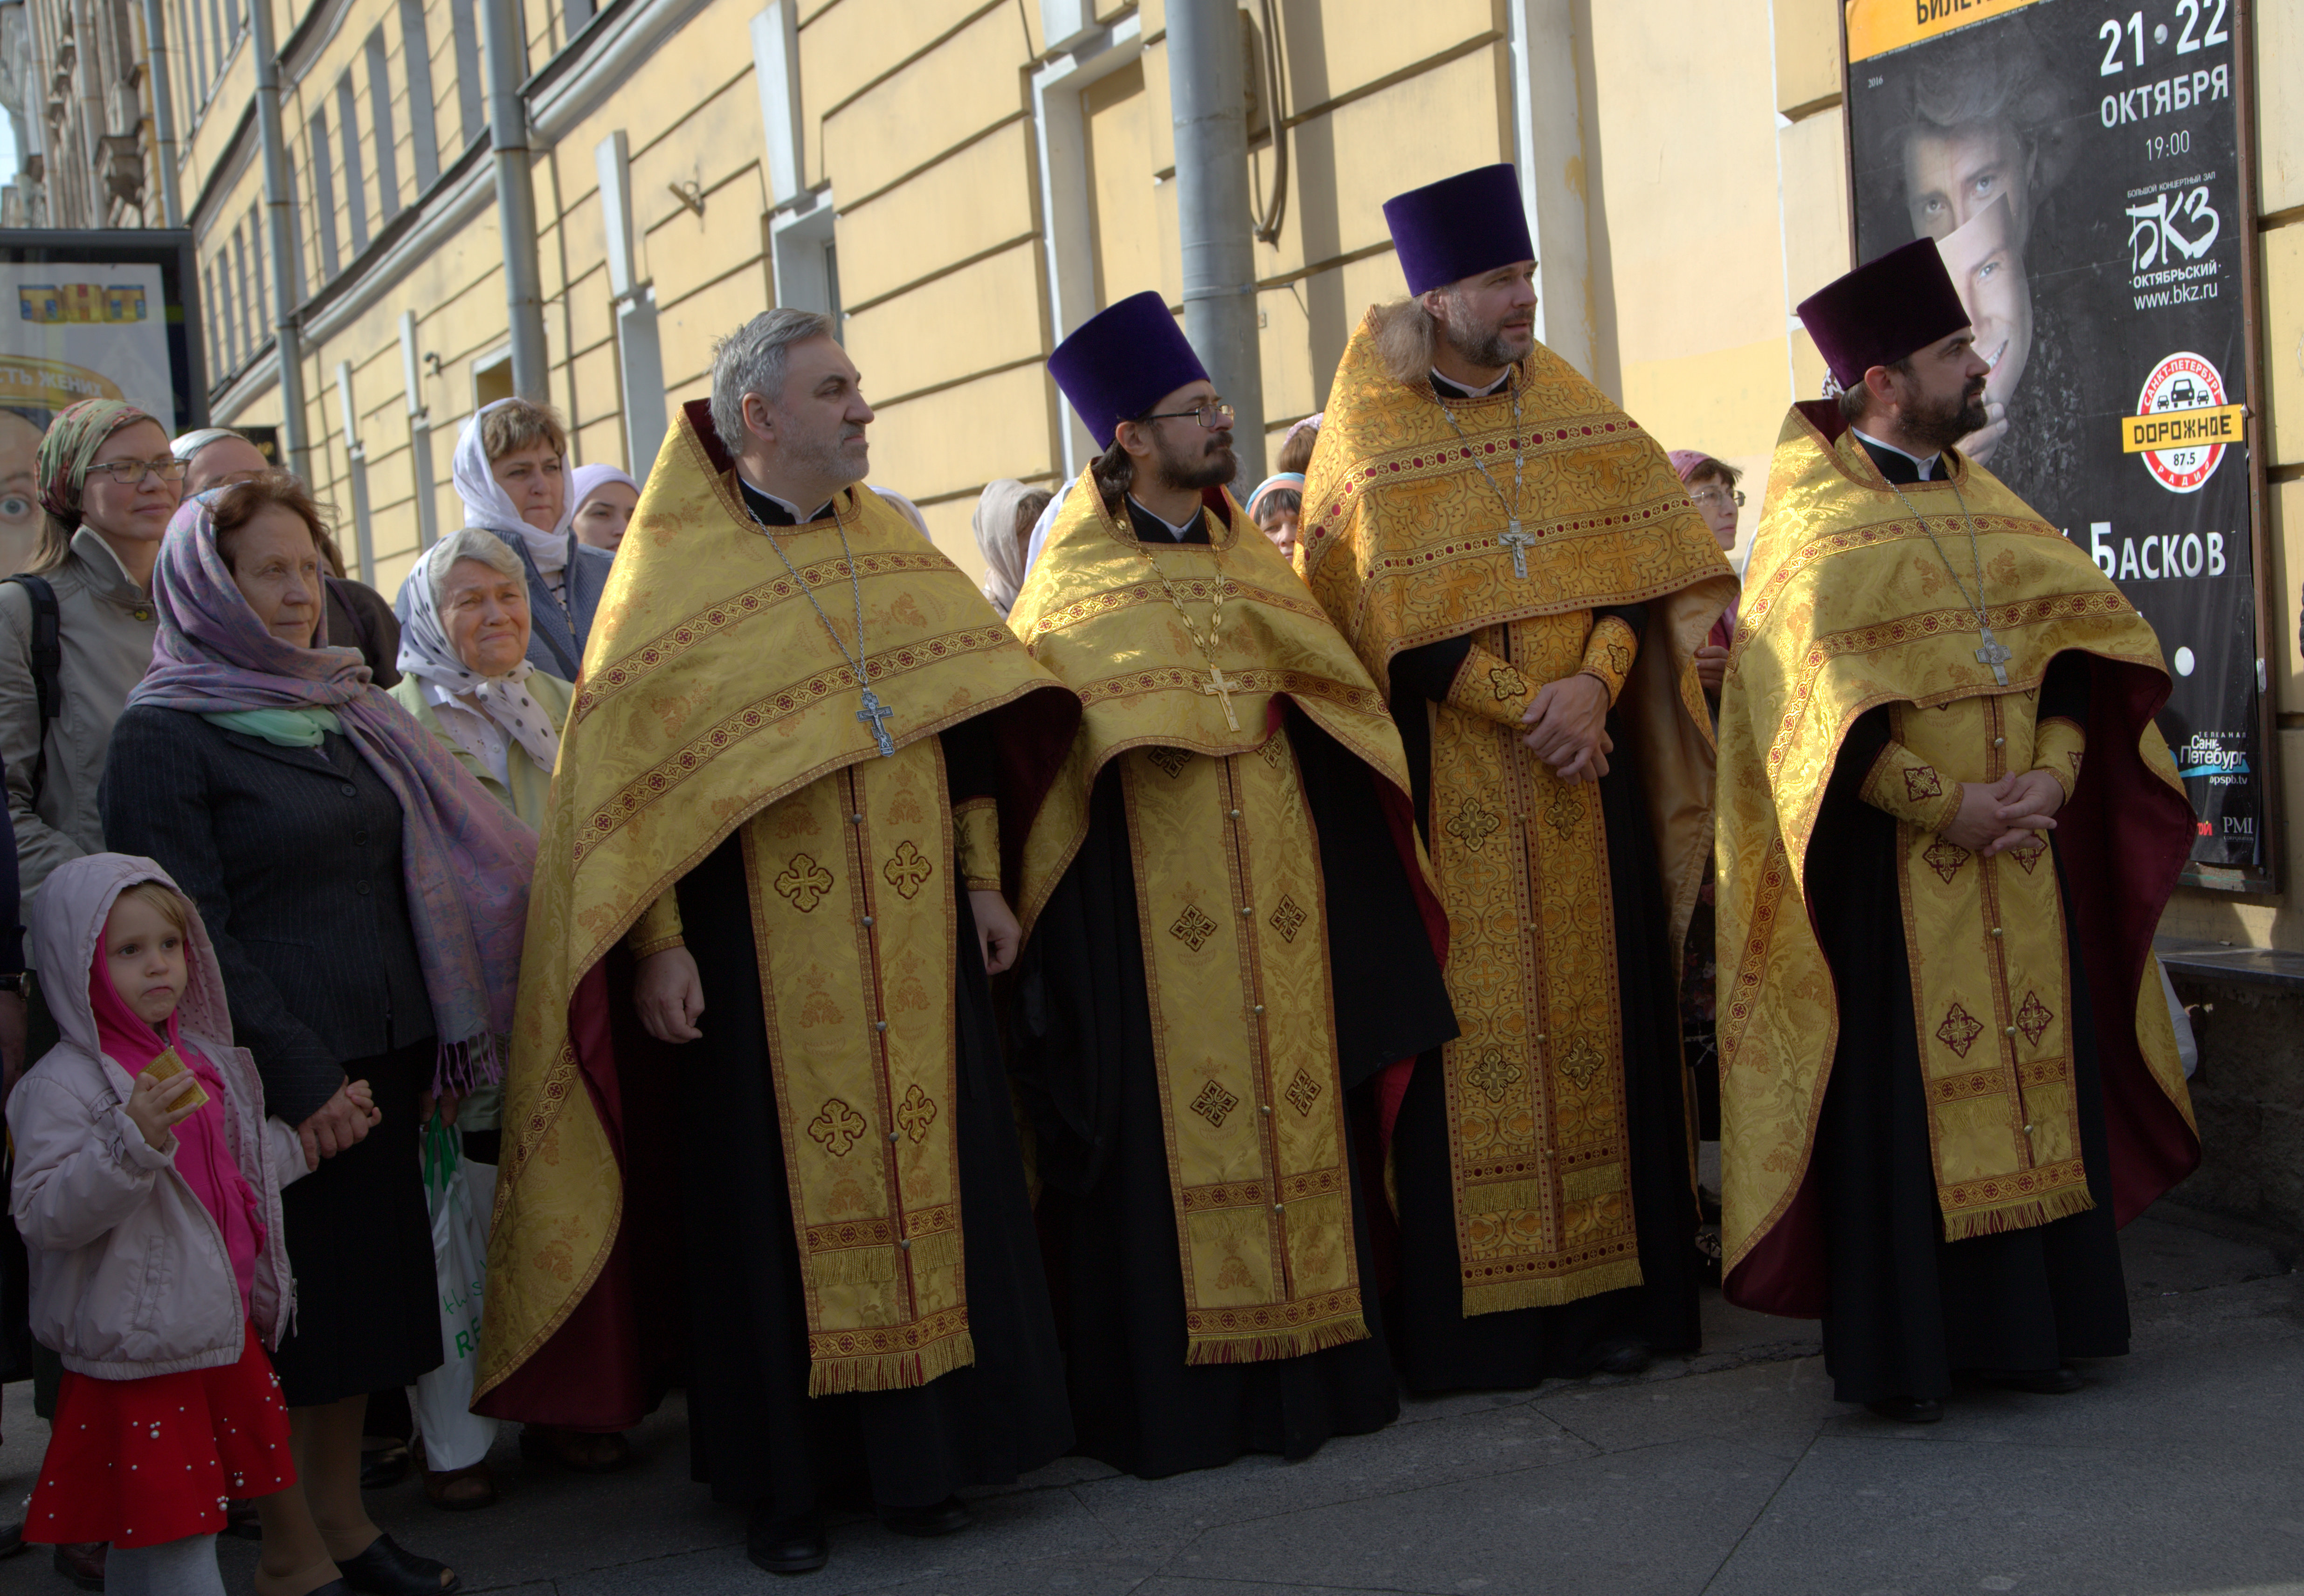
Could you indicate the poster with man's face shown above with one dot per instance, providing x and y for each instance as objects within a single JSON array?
[{"x": 2076, "y": 162}]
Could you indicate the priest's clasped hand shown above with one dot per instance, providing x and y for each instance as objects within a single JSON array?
[
  {"x": 997, "y": 934},
  {"x": 669, "y": 994},
  {"x": 1568, "y": 728},
  {"x": 1997, "y": 815}
]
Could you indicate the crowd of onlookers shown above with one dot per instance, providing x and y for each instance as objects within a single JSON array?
[{"x": 272, "y": 838}]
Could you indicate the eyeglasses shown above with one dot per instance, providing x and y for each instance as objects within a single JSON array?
[
  {"x": 1713, "y": 498},
  {"x": 1212, "y": 415},
  {"x": 130, "y": 473}
]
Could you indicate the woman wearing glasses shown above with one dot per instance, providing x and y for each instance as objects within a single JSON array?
[{"x": 1712, "y": 486}]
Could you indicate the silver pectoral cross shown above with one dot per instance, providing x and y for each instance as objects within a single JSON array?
[
  {"x": 1994, "y": 654},
  {"x": 875, "y": 715},
  {"x": 1217, "y": 686},
  {"x": 1519, "y": 542}
]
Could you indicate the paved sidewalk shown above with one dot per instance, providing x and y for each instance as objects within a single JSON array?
[{"x": 2181, "y": 1470}]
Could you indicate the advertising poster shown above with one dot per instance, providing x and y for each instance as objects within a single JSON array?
[{"x": 2077, "y": 163}]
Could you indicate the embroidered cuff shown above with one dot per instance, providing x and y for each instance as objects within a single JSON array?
[
  {"x": 657, "y": 928},
  {"x": 1609, "y": 653},
  {"x": 1493, "y": 688},
  {"x": 975, "y": 828},
  {"x": 1908, "y": 788},
  {"x": 2056, "y": 749}
]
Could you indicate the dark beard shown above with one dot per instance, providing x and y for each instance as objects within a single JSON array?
[
  {"x": 1941, "y": 426},
  {"x": 1215, "y": 465}
]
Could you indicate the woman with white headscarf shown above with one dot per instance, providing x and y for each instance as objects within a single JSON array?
[
  {"x": 995, "y": 525},
  {"x": 511, "y": 472},
  {"x": 465, "y": 673}
]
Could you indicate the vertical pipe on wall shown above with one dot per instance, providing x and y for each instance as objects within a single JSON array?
[
  {"x": 280, "y": 229},
  {"x": 1208, "y": 94},
  {"x": 515, "y": 199},
  {"x": 420, "y": 434},
  {"x": 163, "y": 114}
]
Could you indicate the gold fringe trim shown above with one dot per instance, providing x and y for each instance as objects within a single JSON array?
[
  {"x": 890, "y": 1371},
  {"x": 2018, "y": 1216},
  {"x": 1553, "y": 1290},
  {"x": 1273, "y": 1345},
  {"x": 1601, "y": 1180},
  {"x": 1509, "y": 1196},
  {"x": 939, "y": 1250},
  {"x": 853, "y": 1266}
]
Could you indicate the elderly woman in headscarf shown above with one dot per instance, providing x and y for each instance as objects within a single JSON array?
[
  {"x": 357, "y": 615},
  {"x": 367, "y": 899},
  {"x": 1003, "y": 529},
  {"x": 605, "y": 498},
  {"x": 511, "y": 472}
]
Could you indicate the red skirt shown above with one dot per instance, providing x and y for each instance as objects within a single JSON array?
[{"x": 144, "y": 1462}]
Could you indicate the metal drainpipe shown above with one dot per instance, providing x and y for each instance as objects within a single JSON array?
[
  {"x": 280, "y": 231},
  {"x": 515, "y": 201},
  {"x": 1207, "y": 95},
  {"x": 164, "y": 115}
]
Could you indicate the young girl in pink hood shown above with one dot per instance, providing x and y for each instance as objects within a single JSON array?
[{"x": 147, "y": 1191}]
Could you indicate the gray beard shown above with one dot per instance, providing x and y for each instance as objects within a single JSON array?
[{"x": 1486, "y": 349}]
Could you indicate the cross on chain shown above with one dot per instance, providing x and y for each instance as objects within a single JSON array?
[
  {"x": 875, "y": 715},
  {"x": 1217, "y": 686},
  {"x": 1519, "y": 542},
  {"x": 1996, "y": 654}
]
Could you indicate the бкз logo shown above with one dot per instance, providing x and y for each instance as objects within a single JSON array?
[{"x": 2182, "y": 423}]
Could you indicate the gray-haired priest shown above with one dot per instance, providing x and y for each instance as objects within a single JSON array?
[
  {"x": 1223, "y": 904},
  {"x": 779, "y": 791}
]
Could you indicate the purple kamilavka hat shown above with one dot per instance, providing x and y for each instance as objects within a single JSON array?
[
  {"x": 1118, "y": 363},
  {"x": 1883, "y": 310},
  {"x": 1459, "y": 226}
]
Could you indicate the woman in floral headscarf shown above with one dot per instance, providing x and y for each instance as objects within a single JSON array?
[{"x": 367, "y": 899}]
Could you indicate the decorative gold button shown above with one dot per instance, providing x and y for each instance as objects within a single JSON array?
[
  {"x": 2027, "y": 1130},
  {"x": 2010, "y": 1031},
  {"x": 1999, "y": 742},
  {"x": 892, "y": 1135},
  {"x": 1259, "y": 1008},
  {"x": 1235, "y": 814},
  {"x": 1275, "y": 1208},
  {"x": 880, "y": 1024},
  {"x": 1995, "y": 931},
  {"x": 1263, "y": 1107},
  {"x": 1245, "y": 910},
  {"x": 905, "y": 1246},
  {"x": 856, "y": 820},
  {"x": 867, "y": 919}
]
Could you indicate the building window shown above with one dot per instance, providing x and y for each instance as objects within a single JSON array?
[
  {"x": 262, "y": 297},
  {"x": 580, "y": 12},
  {"x": 324, "y": 194},
  {"x": 222, "y": 31},
  {"x": 215, "y": 320},
  {"x": 191, "y": 27},
  {"x": 245, "y": 301},
  {"x": 229, "y": 334},
  {"x": 465, "y": 21},
  {"x": 355, "y": 184},
  {"x": 423, "y": 132},
  {"x": 387, "y": 156}
]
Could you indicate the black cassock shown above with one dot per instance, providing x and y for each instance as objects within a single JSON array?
[
  {"x": 1081, "y": 1046},
  {"x": 1439, "y": 1348},
  {"x": 1906, "y": 1307}
]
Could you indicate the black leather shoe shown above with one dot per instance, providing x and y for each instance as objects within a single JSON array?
[
  {"x": 83, "y": 1563},
  {"x": 387, "y": 1568},
  {"x": 1630, "y": 1358},
  {"x": 240, "y": 1520},
  {"x": 2044, "y": 1383},
  {"x": 12, "y": 1540},
  {"x": 1909, "y": 1410},
  {"x": 947, "y": 1517},
  {"x": 787, "y": 1545}
]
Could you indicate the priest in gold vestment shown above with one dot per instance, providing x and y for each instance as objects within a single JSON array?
[
  {"x": 1947, "y": 830},
  {"x": 1514, "y": 558},
  {"x": 1226, "y": 935},
  {"x": 780, "y": 792}
]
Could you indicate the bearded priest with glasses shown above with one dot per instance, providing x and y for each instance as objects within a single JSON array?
[
  {"x": 1948, "y": 827},
  {"x": 1516, "y": 563},
  {"x": 1227, "y": 930}
]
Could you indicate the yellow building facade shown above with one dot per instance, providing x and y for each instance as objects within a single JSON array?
[{"x": 961, "y": 181}]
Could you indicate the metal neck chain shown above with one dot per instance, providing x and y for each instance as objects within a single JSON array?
[
  {"x": 855, "y": 661},
  {"x": 1206, "y": 646},
  {"x": 1520, "y": 446},
  {"x": 1975, "y": 550}
]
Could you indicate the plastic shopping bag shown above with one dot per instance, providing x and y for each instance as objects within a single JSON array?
[{"x": 454, "y": 1436}]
